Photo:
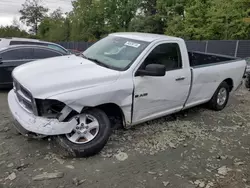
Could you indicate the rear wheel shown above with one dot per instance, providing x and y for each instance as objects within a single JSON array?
[
  {"x": 89, "y": 135},
  {"x": 247, "y": 81},
  {"x": 220, "y": 97}
]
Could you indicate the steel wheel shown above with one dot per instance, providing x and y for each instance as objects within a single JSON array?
[
  {"x": 222, "y": 96},
  {"x": 85, "y": 131}
]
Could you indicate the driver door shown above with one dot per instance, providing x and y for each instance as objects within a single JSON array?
[{"x": 159, "y": 96}]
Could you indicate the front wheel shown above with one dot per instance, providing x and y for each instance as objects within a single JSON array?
[
  {"x": 220, "y": 97},
  {"x": 89, "y": 135}
]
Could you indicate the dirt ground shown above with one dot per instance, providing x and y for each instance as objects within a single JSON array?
[{"x": 196, "y": 148}]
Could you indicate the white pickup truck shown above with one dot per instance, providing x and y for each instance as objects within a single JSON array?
[{"x": 126, "y": 79}]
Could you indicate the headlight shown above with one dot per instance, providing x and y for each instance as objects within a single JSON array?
[{"x": 49, "y": 108}]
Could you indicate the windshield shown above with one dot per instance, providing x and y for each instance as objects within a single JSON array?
[{"x": 115, "y": 52}]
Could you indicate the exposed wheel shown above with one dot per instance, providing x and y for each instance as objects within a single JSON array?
[
  {"x": 89, "y": 136},
  {"x": 247, "y": 81},
  {"x": 220, "y": 97}
]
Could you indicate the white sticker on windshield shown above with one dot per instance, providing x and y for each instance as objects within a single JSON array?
[{"x": 132, "y": 44}]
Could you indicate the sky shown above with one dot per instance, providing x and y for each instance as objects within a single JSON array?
[{"x": 9, "y": 8}]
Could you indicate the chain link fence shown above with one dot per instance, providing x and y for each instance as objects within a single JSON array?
[{"x": 236, "y": 48}]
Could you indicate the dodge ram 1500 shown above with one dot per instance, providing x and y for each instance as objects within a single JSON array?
[{"x": 123, "y": 79}]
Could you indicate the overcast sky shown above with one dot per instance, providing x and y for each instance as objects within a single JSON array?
[{"x": 9, "y": 8}]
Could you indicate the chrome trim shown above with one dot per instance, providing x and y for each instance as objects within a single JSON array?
[
  {"x": 24, "y": 96},
  {"x": 35, "y": 110},
  {"x": 22, "y": 105}
]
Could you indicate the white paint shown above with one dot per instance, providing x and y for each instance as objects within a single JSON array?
[
  {"x": 144, "y": 36},
  {"x": 35, "y": 124},
  {"x": 49, "y": 77},
  {"x": 80, "y": 83},
  {"x": 206, "y": 80},
  {"x": 165, "y": 94}
]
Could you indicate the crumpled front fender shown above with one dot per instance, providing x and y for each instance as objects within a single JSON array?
[{"x": 35, "y": 124}]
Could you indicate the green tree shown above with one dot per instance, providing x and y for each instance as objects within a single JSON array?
[
  {"x": 119, "y": 14},
  {"x": 32, "y": 13},
  {"x": 191, "y": 19},
  {"x": 87, "y": 20},
  {"x": 196, "y": 19},
  {"x": 225, "y": 20},
  {"x": 176, "y": 27},
  {"x": 147, "y": 18},
  {"x": 12, "y": 31},
  {"x": 147, "y": 24},
  {"x": 55, "y": 27},
  {"x": 149, "y": 8},
  {"x": 172, "y": 13}
]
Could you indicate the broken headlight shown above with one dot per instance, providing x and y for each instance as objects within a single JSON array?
[{"x": 49, "y": 108}]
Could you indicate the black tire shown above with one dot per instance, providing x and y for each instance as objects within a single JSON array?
[
  {"x": 213, "y": 104},
  {"x": 247, "y": 81},
  {"x": 93, "y": 147}
]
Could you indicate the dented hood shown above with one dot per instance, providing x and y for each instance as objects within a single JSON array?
[{"x": 48, "y": 77}]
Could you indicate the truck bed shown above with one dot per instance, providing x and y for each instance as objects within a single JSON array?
[
  {"x": 208, "y": 71},
  {"x": 200, "y": 59}
]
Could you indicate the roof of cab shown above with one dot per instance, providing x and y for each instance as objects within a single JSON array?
[{"x": 148, "y": 37}]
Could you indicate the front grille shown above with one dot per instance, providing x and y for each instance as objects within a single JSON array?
[
  {"x": 26, "y": 93},
  {"x": 24, "y": 97}
]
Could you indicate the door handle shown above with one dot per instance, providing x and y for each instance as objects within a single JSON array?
[{"x": 180, "y": 78}]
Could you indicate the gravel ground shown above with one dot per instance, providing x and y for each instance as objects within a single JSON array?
[{"x": 195, "y": 148}]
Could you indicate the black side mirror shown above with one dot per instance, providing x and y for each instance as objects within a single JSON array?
[
  {"x": 1, "y": 59},
  {"x": 152, "y": 70}
]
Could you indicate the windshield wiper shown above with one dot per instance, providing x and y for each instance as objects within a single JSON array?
[
  {"x": 98, "y": 62},
  {"x": 84, "y": 56}
]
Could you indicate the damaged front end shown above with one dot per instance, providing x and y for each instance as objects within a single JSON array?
[
  {"x": 53, "y": 109},
  {"x": 38, "y": 117}
]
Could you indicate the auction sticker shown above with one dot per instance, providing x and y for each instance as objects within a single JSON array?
[{"x": 132, "y": 44}]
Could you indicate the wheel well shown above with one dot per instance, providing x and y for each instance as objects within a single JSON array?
[
  {"x": 114, "y": 113},
  {"x": 229, "y": 81}
]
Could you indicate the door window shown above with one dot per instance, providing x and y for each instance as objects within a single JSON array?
[
  {"x": 167, "y": 54},
  {"x": 43, "y": 53},
  {"x": 55, "y": 47},
  {"x": 17, "y": 54}
]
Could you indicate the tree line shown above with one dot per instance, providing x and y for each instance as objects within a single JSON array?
[{"x": 90, "y": 20}]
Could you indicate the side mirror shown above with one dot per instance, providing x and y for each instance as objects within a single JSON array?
[
  {"x": 152, "y": 70},
  {"x": 1, "y": 59}
]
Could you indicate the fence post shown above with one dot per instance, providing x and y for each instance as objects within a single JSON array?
[
  {"x": 206, "y": 46},
  {"x": 236, "y": 48}
]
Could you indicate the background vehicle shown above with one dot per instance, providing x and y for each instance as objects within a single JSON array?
[
  {"x": 13, "y": 56},
  {"x": 127, "y": 78},
  {"x": 4, "y": 42},
  {"x": 76, "y": 52}
]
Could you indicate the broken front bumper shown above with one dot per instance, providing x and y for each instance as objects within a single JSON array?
[{"x": 28, "y": 122}]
